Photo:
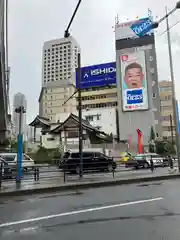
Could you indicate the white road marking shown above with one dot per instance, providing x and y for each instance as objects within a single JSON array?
[
  {"x": 8, "y": 232},
  {"x": 29, "y": 229},
  {"x": 8, "y": 224}
]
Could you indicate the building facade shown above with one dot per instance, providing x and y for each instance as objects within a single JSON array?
[
  {"x": 103, "y": 119},
  {"x": 165, "y": 90},
  {"x": 99, "y": 98},
  {"x": 59, "y": 61},
  {"x": 19, "y": 100},
  {"x": 52, "y": 101}
]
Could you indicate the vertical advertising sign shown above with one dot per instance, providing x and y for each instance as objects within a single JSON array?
[{"x": 134, "y": 81}]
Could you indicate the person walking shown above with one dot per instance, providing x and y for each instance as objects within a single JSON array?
[
  {"x": 151, "y": 165},
  {"x": 171, "y": 164}
]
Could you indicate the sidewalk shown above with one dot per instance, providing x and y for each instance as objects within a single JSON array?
[{"x": 10, "y": 188}]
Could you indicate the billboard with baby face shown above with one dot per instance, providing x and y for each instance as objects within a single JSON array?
[{"x": 134, "y": 81}]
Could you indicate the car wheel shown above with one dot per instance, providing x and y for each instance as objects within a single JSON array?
[
  {"x": 146, "y": 165},
  {"x": 110, "y": 168},
  {"x": 78, "y": 170}
]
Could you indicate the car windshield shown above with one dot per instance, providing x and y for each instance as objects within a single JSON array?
[
  {"x": 66, "y": 154},
  {"x": 138, "y": 157},
  {"x": 8, "y": 158}
]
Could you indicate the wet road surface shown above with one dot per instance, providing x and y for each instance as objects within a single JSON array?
[{"x": 149, "y": 211}]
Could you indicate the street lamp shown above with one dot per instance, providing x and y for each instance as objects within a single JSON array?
[
  {"x": 66, "y": 35},
  {"x": 20, "y": 110},
  {"x": 155, "y": 25}
]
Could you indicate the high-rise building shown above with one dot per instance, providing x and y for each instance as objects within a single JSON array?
[
  {"x": 137, "y": 81},
  {"x": 165, "y": 90},
  {"x": 59, "y": 62},
  {"x": 19, "y": 100}
]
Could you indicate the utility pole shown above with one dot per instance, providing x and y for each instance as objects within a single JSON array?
[
  {"x": 66, "y": 35},
  {"x": 173, "y": 89},
  {"x": 80, "y": 115},
  {"x": 171, "y": 127}
]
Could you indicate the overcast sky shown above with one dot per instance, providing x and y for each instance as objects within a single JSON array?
[{"x": 31, "y": 22}]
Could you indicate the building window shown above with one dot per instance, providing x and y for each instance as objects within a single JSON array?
[
  {"x": 98, "y": 116},
  {"x": 165, "y": 89},
  {"x": 166, "y": 108},
  {"x": 89, "y": 118},
  {"x": 153, "y": 95},
  {"x": 167, "y": 98}
]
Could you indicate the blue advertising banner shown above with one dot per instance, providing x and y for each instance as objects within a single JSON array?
[
  {"x": 97, "y": 75},
  {"x": 142, "y": 27},
  {"x": 134, "y": 96},
  {"x": 134, "y": 29}
]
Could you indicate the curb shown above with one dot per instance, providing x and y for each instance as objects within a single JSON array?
[{"x": 87, "y": 185}]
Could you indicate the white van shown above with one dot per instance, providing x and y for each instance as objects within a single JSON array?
[{"x": 11, "y": 158}]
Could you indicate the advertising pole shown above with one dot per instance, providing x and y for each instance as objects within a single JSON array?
[
  {"x": 20, "y": 111},
  {"x": 173, "y": 90},
  {"x": 80, "y": 116}
]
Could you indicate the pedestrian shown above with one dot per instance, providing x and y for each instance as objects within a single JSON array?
[
  {"x": 151, "y": 165},
  {"x": 171, "y": 164}
]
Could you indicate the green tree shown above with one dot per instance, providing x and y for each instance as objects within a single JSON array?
[
  {"x": 151, "y": 148},
  {"x": 152, "y": 134},
  {"x": 165, "y": 147},
  {"x": 152, "y": 140},
  {"x": 169, "y": 148},
  {"x": 160, "y": 147},
  {"x": 14, "y": 146},
  {"x": 44, "y": 155}
]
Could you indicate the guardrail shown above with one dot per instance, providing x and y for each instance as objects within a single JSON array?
[
  {"x": 40, "y": 171},
  {"x": 66, "y": 173}
]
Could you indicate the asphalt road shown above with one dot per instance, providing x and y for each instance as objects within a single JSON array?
[{"x": 146, "y": 211}]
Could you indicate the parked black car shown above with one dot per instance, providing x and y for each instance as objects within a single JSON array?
[
  {"x": 143, "y": 161},
  {"x": 5, "y": 168},
  {"x": 92, "y": 161}
]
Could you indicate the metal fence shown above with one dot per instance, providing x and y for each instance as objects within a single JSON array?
[{"x": 65, "y": 173}]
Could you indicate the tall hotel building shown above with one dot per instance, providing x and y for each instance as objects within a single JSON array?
[{"x": 59, "y": 61}]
